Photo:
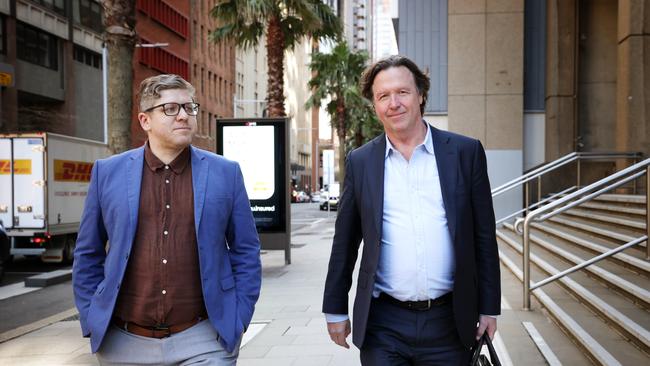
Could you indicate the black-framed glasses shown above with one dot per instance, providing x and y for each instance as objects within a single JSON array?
[{"x": 173, "y": 109}]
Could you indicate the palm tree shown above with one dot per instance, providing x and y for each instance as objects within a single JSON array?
[
  {"x": 336, "y": 75},
  {"x": 284, "y": 22},
  {"x": 119, "y": 20}
]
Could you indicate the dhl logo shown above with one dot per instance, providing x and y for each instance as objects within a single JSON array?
[
  {"x": 72, "y": 171},
  {"x": 21, "y": 166}
]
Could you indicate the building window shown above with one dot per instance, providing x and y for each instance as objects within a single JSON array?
[
  {"x": 37, "y": 47},
  {"x": 88, "y": 57},
  {"x": 88, "y": 13},
  {"x": 165, "y": 15},
  {"x": 162, "y": 60},
  {"x": 57, "y": 5}
]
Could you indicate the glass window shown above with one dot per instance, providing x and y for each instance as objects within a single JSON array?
[
  {"x": 88, "y": 57},
  {"x": 56, "y": 5},
  {"x": 88, "y": 13},
  {"x": 37, "y": 47}
]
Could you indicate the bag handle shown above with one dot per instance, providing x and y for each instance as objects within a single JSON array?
[
  {"x": 493, "y": 353},
  {"x": 476, "y": 351}
]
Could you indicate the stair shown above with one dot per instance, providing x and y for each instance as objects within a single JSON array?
[{"x": 604, "y": 309}]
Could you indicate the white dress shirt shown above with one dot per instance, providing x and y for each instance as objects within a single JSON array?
[{"x": 416, "y": 260}]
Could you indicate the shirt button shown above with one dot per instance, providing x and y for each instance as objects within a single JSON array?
[
  {"x": 167, "y": 206},
  {"x": 164, "y": 292},
  {"x": 165, "y": 232},
  {"x": 167, "y": 181},
  {"x": 164, "y": 261},
  {"x": 166, "y": 166}
]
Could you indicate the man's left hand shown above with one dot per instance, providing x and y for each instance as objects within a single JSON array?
[{"x": 486, "y": 322}]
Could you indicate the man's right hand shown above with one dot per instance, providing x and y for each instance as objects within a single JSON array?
[{"x": 339, "y": 332}]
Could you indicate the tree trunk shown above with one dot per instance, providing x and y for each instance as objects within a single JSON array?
[
  {"x": 275, "y": 59},
  {"x": 119, "y": 20}
]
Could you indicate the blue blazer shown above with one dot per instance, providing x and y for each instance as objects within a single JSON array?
[
  {"x": 467, "y": 198},
  {"x": 228, "y": 245}
]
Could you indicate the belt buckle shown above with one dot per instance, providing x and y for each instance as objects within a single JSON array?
[{"x": 162, "y": 328}]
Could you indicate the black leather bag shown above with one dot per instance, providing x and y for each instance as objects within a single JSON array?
[{"x": 480, "y": 360}]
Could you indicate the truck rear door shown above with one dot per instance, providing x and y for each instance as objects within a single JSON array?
[
  {"x": 29, "y": 183},
  {"x": 6, "y": 182}
]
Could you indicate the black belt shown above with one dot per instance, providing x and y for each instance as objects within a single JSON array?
[{"x": 417, "y": 305}]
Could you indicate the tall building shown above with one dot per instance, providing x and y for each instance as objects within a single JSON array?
[
  {"x": 251, "y": 77},
  {"x": 213, "y": 73},
  {"x": 51, "y": 53},
  {"x": 533, "y": 80},
  {"x": 163, "y": 47},
  {"x": 301, "y": 135}
]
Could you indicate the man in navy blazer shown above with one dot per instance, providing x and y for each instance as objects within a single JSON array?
[
  {"x": 420, "y": 200},
  {"x": 167, "y": 267}
]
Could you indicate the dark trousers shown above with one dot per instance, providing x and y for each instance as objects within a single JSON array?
[{"x": 396, "y": 336}]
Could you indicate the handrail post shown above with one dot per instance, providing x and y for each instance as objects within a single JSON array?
[
  {"x": 526, "y": 264},
  {"x": 647, "y": 212},
  {"x": 578, "y": 172},
  {"x": 539, "y": 188},
  {"x": 527, "y": 196}
]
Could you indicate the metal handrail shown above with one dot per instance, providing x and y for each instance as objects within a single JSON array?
[
  {"x": 538, "y": 172},
  {"x": 549, "y": 198},
  {"x": 585, "y": 194}
]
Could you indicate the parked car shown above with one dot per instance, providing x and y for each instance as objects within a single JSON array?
[
  {"x": 333, "y": 204},
  {"x": 299, "y": 196},
  {"x": 316, "y": 197},
  {"x": 4, "y": 251}
]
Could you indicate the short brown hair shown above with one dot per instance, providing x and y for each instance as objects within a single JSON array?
[
  {"x": 422, "y": 82},
  {"x": 151, "y": 87}
]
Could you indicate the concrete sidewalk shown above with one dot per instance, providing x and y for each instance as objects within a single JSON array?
[{"x": 288, "y": 327}]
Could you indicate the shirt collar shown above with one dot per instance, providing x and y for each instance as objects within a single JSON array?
[
  {"x": 427, "y": 143},
  {"x": 177, "y": 165}
]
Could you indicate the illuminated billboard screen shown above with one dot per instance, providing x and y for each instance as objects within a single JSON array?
[{"x": 258, "y": 145}]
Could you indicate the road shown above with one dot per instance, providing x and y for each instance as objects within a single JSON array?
[{"x": 30, "y": 307}]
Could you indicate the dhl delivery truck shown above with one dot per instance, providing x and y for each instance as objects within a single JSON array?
[{"x": 44, "y": 180}]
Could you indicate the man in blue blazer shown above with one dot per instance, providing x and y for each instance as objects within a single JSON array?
[
  {"x": 420, "y": 200},
  {"x": 167, "y": 266}
]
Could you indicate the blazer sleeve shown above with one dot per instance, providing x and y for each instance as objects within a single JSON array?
[
  {"x": 485, "y": 243},
  {"x": 345, "y": 247},
  {"x": 90, "y": 253},
  {"x": 244, "y": 246}
]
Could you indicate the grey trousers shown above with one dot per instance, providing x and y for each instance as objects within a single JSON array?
[{"x": 197, "y": 345}]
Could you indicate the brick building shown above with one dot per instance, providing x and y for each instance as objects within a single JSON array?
[{"x": 213, "y": 73}]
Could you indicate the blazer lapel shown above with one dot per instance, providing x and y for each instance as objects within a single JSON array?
[
  {"x": 199, "y": 185},
  {"x": 134, "y": 183},
  {"x": 374, "y": 180},
  {"x": 447, "y": 160}
]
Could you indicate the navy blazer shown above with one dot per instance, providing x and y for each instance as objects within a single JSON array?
[
  {"x": 467, "y": 199},
  {"x": 228, "y": 245}
]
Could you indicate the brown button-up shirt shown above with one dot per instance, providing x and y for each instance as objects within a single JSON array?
[{"x": 162, "y": 283}]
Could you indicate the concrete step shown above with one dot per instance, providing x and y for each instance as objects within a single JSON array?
[
  {"x": 608, "y": 218},
  {"x": 516, "y": 338},
  {"x": 638, "y": 252},
  {"x": 619, "y": 278},
  {"x": 610, "y": 232},
  {"x": 604, "y": 347},
  {"x": 618, "y": 209},
  {"x": 591, "y": 348},
  {"x": 609, "y": 275},
  {"x": 627, "y": 199},
  {"x": 588, "y": 243}
]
